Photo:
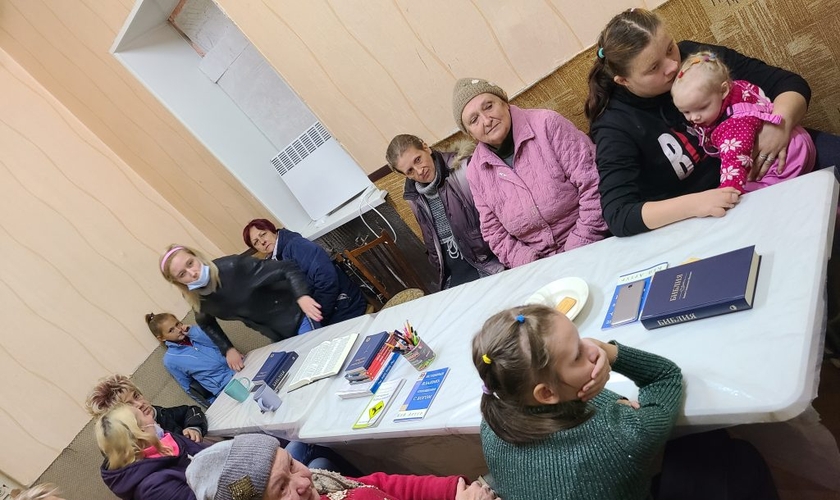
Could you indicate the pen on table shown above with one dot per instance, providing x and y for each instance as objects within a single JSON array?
[{"x": 394, "y": 346}]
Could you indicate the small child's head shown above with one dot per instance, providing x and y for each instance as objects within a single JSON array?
[
  {"x": 700, "y": 88},
  {"x": 533, "y": 364},
  {"x": 123, "y": 432},
  {"x": 114, "y": 390},
  {"x": 166, "y": 327}
]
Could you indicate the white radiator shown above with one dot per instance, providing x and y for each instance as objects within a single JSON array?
[{"x": 319, "y": 172}]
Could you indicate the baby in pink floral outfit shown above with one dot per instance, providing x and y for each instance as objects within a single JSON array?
[{"x": 727, "y": 116}]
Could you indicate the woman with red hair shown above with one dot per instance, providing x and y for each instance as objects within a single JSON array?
[{"x": 339, "y": 297}]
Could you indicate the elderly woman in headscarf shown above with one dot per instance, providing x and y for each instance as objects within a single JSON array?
[{"x": 532, "y": 175}]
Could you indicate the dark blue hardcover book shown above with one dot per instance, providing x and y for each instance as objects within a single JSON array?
[
  {"x": 283, "y": 371},
  {"x": 270, "y": 367},
  {"x": 715, "y": 285},
  {"x": 365, "y": 354}
]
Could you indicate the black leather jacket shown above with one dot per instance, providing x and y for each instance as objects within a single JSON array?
[
  {"x": 177, "y": 418},
  {"x": 260, "y": 293}
]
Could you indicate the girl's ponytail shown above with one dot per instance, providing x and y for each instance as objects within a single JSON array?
[
  {"x": 601, "y": 86},
  {"x": 511, "y": 357},
  {"x": 625, "y": 36},
  {"x": 154, "y": 322}
]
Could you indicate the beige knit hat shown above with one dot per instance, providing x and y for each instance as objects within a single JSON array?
[
  {"x": 234, "y": 469},
  {"x": 464, "y": 91}
]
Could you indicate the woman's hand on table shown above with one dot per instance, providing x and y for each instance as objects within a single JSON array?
[
  {"x": 474, "y": 491},
  {"x": 770, "y": 145},
  {"x": 235, "y": 359},
  {"x": 600, "y": 373},
  {"x": 310, "y": 308},
  {"x": 714, "y": 202}
]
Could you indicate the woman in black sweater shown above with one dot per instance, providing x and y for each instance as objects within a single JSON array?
[
  {"x": 269, "y": 296},
  {"x": 652, "y": 170}
]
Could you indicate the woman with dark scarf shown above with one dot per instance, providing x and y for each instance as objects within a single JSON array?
[{"x": 437, "y": 191}]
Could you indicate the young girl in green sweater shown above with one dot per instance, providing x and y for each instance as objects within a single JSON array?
[{"x": 549, "y": 428}]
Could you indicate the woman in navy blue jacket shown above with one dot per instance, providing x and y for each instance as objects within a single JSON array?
[{"x": 339, "y": 297}]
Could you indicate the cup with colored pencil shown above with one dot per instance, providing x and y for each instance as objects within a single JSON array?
[{"x": 413, "y": 348}]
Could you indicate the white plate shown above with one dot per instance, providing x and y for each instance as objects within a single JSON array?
[{"x": 552, "y": 293}]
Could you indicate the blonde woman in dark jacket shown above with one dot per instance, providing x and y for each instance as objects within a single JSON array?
[
  {"x": 269, "y": 296},
  {"x": 437, "y": 191}
]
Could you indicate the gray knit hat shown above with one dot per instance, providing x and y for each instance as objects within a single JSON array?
[
  {"x": 464, "y": 91},
  {"x": 237, "y": 469}
]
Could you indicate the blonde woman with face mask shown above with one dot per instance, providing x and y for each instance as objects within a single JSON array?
[{"x": 269, "y": 296}]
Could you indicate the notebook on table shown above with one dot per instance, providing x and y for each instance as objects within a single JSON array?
[{"x": 324, "y": 360}]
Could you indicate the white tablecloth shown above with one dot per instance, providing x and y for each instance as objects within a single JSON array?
[
  {"x": 752, "y": 366},
  {"x": 228, "y": 417}
]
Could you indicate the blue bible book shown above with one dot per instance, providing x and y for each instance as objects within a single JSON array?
[
  {"x": 269, "y": 369},
  {"x": 421, "y": 396},
  {"x": 365, "y": 354},
  {"x": 715, "y": 285},
  {"x": 284, "y": 369}
]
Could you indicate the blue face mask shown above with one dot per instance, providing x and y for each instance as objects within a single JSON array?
[
  {"x": 202, "y": 280},
  {"x": 159, "y": 432}
]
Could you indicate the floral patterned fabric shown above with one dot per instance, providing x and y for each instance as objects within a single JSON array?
[{"x": 742, "y": 114}]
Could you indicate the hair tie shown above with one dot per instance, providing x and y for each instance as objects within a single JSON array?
[
  {"x": 520, "y": 318},
  {"x": 166, "y": 257},
  {"x": 600, "y": 52},
  {"x": 486, "y": 359},
  {"x": 697, "y": 60}
]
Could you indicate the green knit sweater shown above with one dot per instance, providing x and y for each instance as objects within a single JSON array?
[{"x": 608, "y": 457}]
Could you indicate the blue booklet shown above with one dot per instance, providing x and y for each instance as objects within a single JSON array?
[
  {"x": 421, "y": 396},
  {"x": 629, "y": 296}
]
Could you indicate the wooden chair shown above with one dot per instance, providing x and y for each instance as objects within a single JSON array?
[
  {"x": 384, "y": 266},
  {"x": 406, "y": 295}
]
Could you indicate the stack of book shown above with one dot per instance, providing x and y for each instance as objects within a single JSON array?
[
  {"x": 369, "y": 366},
  {"x": 275, "y": 369}
]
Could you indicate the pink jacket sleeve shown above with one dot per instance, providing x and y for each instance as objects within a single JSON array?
[
  {"x": 510, "y": 251},
  {"x": 577, "y": 153},
  {"x": 406, "y": 487}
]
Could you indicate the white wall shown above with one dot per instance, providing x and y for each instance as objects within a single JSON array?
[{"x": 169, "y": 67}]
